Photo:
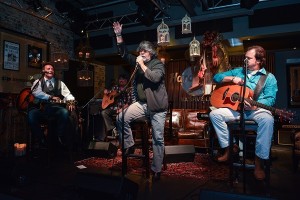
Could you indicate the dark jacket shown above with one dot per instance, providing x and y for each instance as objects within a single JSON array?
[{"x": 151, "y": 84}]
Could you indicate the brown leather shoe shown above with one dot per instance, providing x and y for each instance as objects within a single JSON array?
[
  {"x": 225, "y": 156},
  {"x": 259, "y": 174}
]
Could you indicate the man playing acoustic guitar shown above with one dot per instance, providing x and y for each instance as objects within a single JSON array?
[
  {"x": 49, "y": 93},
  {"x": 112, "y": 103},
  {"x": 255, "y": 60}
]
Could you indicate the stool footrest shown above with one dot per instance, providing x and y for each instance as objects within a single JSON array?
[
  {"x": 247, "y": 166},
  {"x": 135, "y": 156}
]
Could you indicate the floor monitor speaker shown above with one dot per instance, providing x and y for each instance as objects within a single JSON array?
[
  {"x": 102, "y": 149},
  {"x": 92, "y": 184},
  {"x": 179, "y": 153}
]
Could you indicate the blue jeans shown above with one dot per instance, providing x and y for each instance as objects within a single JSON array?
[
  {"x": 55, "y": 112},
  {"x": 262, "y": 117},
  {"x": 135, "y": 111}
]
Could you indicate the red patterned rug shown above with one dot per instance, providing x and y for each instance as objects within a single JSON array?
[{"x": 203, "y": 168}]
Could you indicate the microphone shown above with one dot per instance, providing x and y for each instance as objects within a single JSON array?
[
  {"x": 246, "y": 61},
  {"x": 45, "y": 72}
]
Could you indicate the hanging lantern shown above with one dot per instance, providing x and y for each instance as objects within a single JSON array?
[
  {"x": 85, "y": 76},
  {"x": 163, "y": 35},
  {"x": 186, "y": 25},
  {"x": 84, "y": 51},
  {"x": 194, "y": 48},
  {"x": 60, "y": 60}
]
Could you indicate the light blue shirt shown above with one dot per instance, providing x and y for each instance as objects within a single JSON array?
[{"x": 269, "y": 90}]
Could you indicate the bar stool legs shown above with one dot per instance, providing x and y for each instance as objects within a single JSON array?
[
  {"x": 142, "y": 126},
  {"x": 234, "y": 159}
]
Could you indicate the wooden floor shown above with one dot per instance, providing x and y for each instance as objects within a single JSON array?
[{"x": 23, "y": 178}]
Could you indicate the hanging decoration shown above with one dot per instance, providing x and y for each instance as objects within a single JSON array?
[
  {"x": 60, "y": 60},
  {"x": 163, "y": 35},
  {"x": 186, "y": 26},
  {"x": 194, "y": 48},
  {"x": 213, "y": 40},
  {"x": 84, "y": 51},
  {"x": 85, "y": 77}
]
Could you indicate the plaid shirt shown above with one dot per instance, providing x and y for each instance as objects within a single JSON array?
[{"x": 122, "y": 99}]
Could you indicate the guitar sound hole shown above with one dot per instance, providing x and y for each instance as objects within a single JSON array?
[{"x": 235, "y": 97}]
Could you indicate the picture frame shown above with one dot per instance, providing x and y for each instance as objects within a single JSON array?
[
  {"x": 293, "y": 78},
  {"x": 34, "y": 56},
  {"x": 11, "y": 55}
]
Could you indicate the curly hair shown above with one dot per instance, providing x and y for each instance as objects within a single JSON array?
[{"x": 147, "y": 46}]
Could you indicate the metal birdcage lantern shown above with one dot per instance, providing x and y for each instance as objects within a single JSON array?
[
  {"x": 163, "y": 34},
  {"x": 194, "y": 48},
  {"x": 186, "y": 26}
]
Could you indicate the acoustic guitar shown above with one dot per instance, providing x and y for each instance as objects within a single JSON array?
[
  {"x": 25, "y": 98},
  {"x": 109, "y": 98},
  {"x": 229, "y": 96}
]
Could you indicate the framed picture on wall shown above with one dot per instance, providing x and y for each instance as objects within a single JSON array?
[
  {"x": 11, "y": 55},
  {"x": 34, "y": 56},
  {"x": 293, "y": 78}
]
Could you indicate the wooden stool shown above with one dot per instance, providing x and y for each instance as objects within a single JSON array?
[
  {"x": 142, "y": 127},
  {"x": 250, "y": 132}
]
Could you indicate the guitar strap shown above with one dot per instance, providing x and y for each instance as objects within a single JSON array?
[{"x": 259, "y": 86}]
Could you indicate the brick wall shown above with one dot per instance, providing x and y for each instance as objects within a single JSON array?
[{"x": 26, "y": 27}]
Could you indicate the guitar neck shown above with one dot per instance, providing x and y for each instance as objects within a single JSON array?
[{"x": 255, "y": 103}]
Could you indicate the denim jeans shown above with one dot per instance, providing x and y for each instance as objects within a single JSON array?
[
  {"x": 262, "y": 117},
  {"x": 135, "y": 111}
]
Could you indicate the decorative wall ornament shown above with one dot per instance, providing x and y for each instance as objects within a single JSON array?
[
  {"x": 163, "y": 35},
  {"x": 186, "y": 27},
  {"x": 216, "y": 59},
  {"x": 194, "y": 48}
]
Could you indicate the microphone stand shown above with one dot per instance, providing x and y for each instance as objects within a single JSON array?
[
  {"x": 242, "y": 119},
  {"x": 88, "y": 114},
  {"x": 124, "y": 164}
]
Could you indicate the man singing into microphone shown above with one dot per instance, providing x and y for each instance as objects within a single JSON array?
[
  {"x": 49, "y": 92},
  {"x": 254, "y": 62},
  {"x": 150, "y": 95}
]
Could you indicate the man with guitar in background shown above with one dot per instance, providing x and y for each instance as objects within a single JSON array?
[
  {"x": 255, "y": 60},
  {"x": 112, "y": 104},
  {"x": 49, "y": 93}
]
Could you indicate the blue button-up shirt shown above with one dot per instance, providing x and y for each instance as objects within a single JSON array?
[{"x": 269, "y": 90}]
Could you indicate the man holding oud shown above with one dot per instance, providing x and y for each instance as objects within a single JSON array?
[
  {"x": 50, "y": 97},
  {"x": 113, "y": 101},
  {"x": 255, "y": 60}
]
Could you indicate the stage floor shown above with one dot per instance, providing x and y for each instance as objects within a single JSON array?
[{"x": 23, "y": 178}]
